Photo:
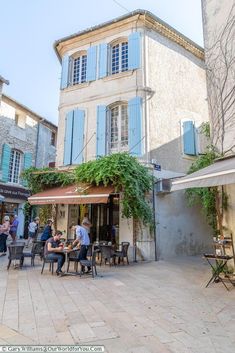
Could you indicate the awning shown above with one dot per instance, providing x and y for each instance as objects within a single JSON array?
[
  {"x": 72, "y": 194},
  {"x": 222, "y": 172},
  {"x": 2, "y": 198}
]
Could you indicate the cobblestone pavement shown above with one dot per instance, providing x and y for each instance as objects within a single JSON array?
[{"x": 148, "y": 307}]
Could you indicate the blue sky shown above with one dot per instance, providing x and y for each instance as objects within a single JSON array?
[{"x": 30, "y": 27}]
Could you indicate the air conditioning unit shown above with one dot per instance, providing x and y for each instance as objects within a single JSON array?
[{"x": 163, "y": 186}]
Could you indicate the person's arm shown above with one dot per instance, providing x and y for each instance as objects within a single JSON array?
[
  {"x": 51, "y": 249},
  {"x": 78, "y": 237}
]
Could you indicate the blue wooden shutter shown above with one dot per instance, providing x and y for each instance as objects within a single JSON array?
[
  {"x": 78, "y": 136},
  {"x": 6, "y": 155},
  {"x": 134, "y": 51},
  {"x": 68, "y": 138},
  {"x": 189, "y": 138},
  {"x": 101, "y": 131},
  {"x": 103, "y": 60},
  {"x": 91, "y": 63},
  {"x": 27, "y": 160},
  {"x": 135, "y": 126},
  {"x": 65, "y": 72}
]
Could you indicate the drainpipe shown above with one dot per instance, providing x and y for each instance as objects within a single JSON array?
[
  {"x": 37, "y": 143},
  {"x": 154, "y": 224}
]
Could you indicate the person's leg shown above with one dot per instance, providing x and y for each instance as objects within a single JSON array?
[
  {"x": 60, "y": 260},
  {"x": 1, "y": 244},
  {"x": 30, "y": 238},
  {"x": 5, "y": 243}
]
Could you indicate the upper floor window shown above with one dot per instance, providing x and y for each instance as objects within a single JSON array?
[
  {"x": 118, "y": 128},
  {"x": 14, "y": 166},
  {"x": 79, "y": 69},
  {"x": 119, "y": 57},
  {"x": 52, "y": 138}
]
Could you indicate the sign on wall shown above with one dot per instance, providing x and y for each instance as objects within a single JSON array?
[{"x": 14, "y": 192}]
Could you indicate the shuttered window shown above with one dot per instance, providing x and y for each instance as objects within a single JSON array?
[
  {"x": 14, "y": 166},
  {"x": 189, "y": 138},
  {"x": 119, "y": 60},
  {"x": 79, "y": 69},
  {"x": 118, "y": 128}
]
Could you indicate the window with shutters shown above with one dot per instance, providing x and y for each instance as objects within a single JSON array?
[
  {"x": 14, "y": 166},
  {"x": 79, "y": 68},
  {"x": 119, "y": 57},
  {"x": 118, "y": 128}
]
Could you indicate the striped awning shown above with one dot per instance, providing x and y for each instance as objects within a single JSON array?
[{"x": 73, "y": 194}]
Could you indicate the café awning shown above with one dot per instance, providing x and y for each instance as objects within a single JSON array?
[
  {"x": 73, "y": 194},
  {"x": 222, "y": 172}
]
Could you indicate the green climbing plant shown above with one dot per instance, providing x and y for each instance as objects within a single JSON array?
[{"x": 121, "y": 170}]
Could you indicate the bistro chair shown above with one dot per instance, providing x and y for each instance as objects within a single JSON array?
[
  {"x": 107, "y": 254},
  {"x": 15, "y": 253},
  {"x": 37, "y": 249},
  {"x": 73, "y": 256},
  {"x": 48, "y": 261},
  {"x": 89, "y": 263},
  {"x": 123, "y": 253}
]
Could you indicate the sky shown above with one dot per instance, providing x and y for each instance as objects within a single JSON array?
[{"x": 30, "y": 27}]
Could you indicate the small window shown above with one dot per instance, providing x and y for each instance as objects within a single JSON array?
[
  {"x": 119, "y": 57},
  {"x": 14, "y": 166},
  {"x": 20, "y": 120},
  {"x": 118, "y": 128},
  {"x": 79, "y": 69},
  {"x": 52, "y": 138}
]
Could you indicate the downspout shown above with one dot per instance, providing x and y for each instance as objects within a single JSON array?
[
  {"x": 36, "y": 154},
  {"x": 154, "y": 224}
]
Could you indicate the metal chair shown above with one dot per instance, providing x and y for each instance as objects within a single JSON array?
[
  {"x": 123, "y": 253},
  {"x": 73, "y": 256},
  {"x": 15, "y": 253},
  {"x": 89, "y": 263}
]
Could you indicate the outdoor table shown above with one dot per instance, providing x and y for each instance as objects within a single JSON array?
[{"x": 217, "y": 267}]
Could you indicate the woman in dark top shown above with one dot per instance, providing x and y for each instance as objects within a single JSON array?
[{"x": 47, "y": 233}]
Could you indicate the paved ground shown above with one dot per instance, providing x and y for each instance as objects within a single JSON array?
[{"x": 142, "y": 308}]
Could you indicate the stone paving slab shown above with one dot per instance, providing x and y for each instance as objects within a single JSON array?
[{"x": 148, "y": 307}]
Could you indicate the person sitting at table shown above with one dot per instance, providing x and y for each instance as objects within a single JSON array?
[
  {"x": 82, "y": 237},
  {"x": 52, "y": 250}
]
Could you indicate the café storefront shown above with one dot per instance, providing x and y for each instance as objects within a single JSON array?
[
  {"x": 74, "y": 202},
  {"x": 12, "y": 201}
]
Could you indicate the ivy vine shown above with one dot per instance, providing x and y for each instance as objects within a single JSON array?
[{"x": 121, "y": 170}]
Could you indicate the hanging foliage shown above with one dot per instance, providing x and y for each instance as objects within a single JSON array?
[{"x": 121, "y": 170}]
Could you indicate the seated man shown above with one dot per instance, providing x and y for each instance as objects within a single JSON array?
[
  {"x": 52, "y": 250},
  {"x": 82, "y": 237}
]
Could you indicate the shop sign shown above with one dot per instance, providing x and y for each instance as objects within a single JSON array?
[{"x": 14, "y": 192}]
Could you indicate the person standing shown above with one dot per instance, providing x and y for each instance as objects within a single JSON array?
[
  {"x": 52, "y": 250},
  {"x": 47, "y": 233},
  {"x": 4, "y": 232},
  {"x": 82, "y": 237},
  {"x": 13, "y": 227},
  {"x": 33, "y": 229}
]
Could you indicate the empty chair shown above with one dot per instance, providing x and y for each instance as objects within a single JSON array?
[
  {"x": 73, "y": 256},
  {"x": 37, "y": 249},
  {"x": 89, "y": 263},
  {"x": 123, "y": 253},
  {"x": 107, "y": 253},
  {"x": 15, "y": 253}
]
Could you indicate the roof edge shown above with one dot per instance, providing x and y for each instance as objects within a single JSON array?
[
  {"x": 123, "y": 17},
  {"x": 24, "y": 107},
  {"x": 2, "y": 79}
]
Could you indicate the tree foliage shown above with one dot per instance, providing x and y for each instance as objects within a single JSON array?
[{"x": 121, "y": 170}]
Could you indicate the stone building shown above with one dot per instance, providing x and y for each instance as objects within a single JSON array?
[
  {"x": 26, "y": 139},
  {"x": 135, "y": 84}
]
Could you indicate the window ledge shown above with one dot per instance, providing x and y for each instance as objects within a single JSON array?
[
  {"x": 118, "y": 75},
  {"x": 77, "y": 86}
]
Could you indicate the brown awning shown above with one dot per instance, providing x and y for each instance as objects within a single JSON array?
[
  {"x": 222, "y": 172},
  {"x": 72, "y": 194}
]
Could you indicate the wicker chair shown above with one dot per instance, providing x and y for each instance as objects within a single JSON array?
[
  {"x": 46, "y": 260},
  {"x": 37, "y": 249},
  {"x": 89, "y": 263},
  {"x": 123, "y": 253},
  {"x": 15, "y": 253},
  {"x": 73, "y": 256},
  {"x": 107, "y": 254}
]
